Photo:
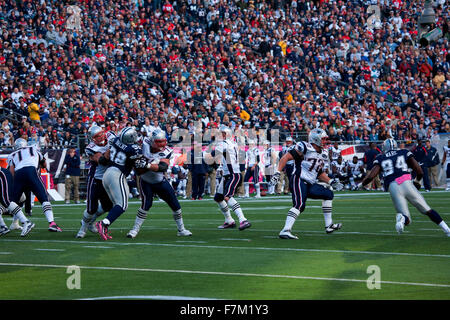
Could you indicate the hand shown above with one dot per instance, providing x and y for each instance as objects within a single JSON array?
[
  {"x": 336, "y": 184},
  {"x": 141, "y": 163},
  {"x": 275, "y": 178}
]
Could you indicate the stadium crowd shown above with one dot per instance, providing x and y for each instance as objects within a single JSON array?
[{"x": 286, "y": 65}]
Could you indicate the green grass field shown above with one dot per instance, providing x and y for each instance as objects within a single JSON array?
[{"x": 233, "y": 264}]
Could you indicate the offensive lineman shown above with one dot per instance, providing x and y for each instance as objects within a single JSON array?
[
  {"x": 153, "y": 181},
  {"x": 309, "y": 161},
  {"x": 24, "y": 165},
  {"x": 95, "y": 190},
  {"x": 395, "y": 166}
]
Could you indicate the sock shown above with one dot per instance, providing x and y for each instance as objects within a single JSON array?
[
  {"x": 434, "y": 216},
  {"x": 113, "y": 214},
  {"x": 16, "y": 212},
  {"x": 290, "y": 219},
  {"x": 247, "y": 189},
  {"x": 47, "y": 208},
  {"x": 2, "y": 222},
  {"x": 178, "y": 219},
  {"x": 258, "y": 190},
  {"x": 87, "y": 218},
  {"x": 444, "y": 227},
  {"x": 140, "y": 218},
  {"x": 236, "y": 207},
  {"x": 326, "y": 208},
  {"x": 226, "y": 211}
]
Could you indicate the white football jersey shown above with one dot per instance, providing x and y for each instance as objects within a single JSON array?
[
  {"x": 25, "y": 157},
  {"x": 335, "y": 153},
  {"x": 92, "y": 149},
  {"x": 313, "y": 162},
  {"x": 166, "y": 153},
  {"x": 340, "y": 167},
  {"x": 268, "y": 158},
  {"x": 355, "y": 168},
  {"x": 253, "y": 156},
  {"x": 447, "y": 152},
  {"x": 229, "y": 160}
]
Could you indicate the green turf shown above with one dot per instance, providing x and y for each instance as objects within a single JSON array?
[{"x": 233, "y": 264}]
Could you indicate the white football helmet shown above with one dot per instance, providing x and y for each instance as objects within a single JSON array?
[
  {"x": 389, "y": 144},
  {"x": 20, "y": 143},
  {"x": 97, "y": 135},
  {"x": 158, "y": 139},
  {"x": 128, "y": 135},
  {"x": 318, "y": 137}
]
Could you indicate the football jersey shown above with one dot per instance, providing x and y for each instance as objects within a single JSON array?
[
  {"x": 355, "y": 168},
  {"x": 252, "y": 156},
  {"x": 25, "y": 157},
  {"x": 313, "y": 162},
  {"x": 268, "y": 159},
  {"x": 122, "y": 156},
  {"x": 340, "y": 167},
  {"x": 229, "y": 161},
  {"x": 97, "y": 170},
  {"x": 447, "y": 152},
  {"x": 284, "y": 150},
  {"x": 166, "y": 153},
  {"x": 393, "y": 165}
]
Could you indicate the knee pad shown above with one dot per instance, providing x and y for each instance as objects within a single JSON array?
[{"x": 218, "y": 197}]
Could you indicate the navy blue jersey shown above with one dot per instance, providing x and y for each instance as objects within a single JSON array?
[
  {"x": 123, "y": 155},
  {"x": 393, "y": 165}
]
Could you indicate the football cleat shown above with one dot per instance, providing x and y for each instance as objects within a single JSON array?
[
  {"x": 333, "y": 227},
  {"x": 53, "y": 227},
  {"x": 103, "y": 230},
  {"x": 4, "y": 230},
  {"x": 15, "y": 225},
  {"x": 286, "y": 234},
  {"x": 227, "y": 225},
  {"x": 27, "y": 226},
  {"x": 132, "y": 233},
  {"x": 81, "y": 234},
  {"x": 92, "y": 228},
  {"x": 400, "y": 223},
  {"x": 184, "y": 233},
  {"x": 244, "y": 225}
]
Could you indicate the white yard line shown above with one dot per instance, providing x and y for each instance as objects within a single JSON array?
[
  {"x": 238, "y": 274},
  {"x": 51, "y": 250},
  {"x": 238, "y": 247}
]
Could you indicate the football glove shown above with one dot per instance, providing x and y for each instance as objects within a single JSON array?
[
  {"x": 417, "y": 184},
  {"x": 141, "y": 163},
  {"x": 275, "y": 178},
  {"x": 336, "y": 184}
]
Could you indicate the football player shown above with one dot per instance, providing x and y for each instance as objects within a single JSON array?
[
  {"x": 6, "y": 204},
  {"x": 25, "y": 164},
  {"x": 356, "y": 172},
  {"x": 395, "y": 164},
  {"x": 252, "y": 171},
  {"x": 226, "y": 151},
  {"x": 152, "y": 181},
  {"x": 339, "y": 170},
  {"x": 95, "y": 191},
  {"x": 309, "y": 161},
  {"x": 269, "y": 165},
  {"x": 446, "y": 163},
  {"x": 334, "y": 152},
  {"x": 120, "y": 158},
  {"x": 283, "y": 184}
]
